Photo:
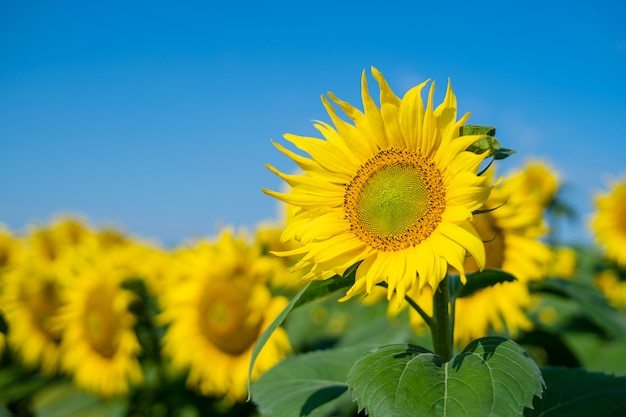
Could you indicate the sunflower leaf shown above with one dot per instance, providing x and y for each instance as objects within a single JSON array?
[
  {"x": 579, "y": 393},
  {"x": 483, "y": 279},
  {"x": 502, "y": 153},
  {"x": 493, "y": 376},
  {"x": 62, "y": 399},
  {"x": 300, "y": 385},
  {"x": 312, "y": 291},
  {"x": 592, "y": 302},
  {"x": 468, "y": 130}
]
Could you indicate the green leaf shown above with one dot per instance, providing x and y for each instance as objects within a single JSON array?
[
  {"x": 64, "y": 400},
  {"x": 483, "y": 279},
  {"x": 552, "y": 348},
  {"x": 312, "y": 291},
  {"x": 17, "y": 383},
  {"x": 484, "y": 144},
  {"x": 301, "y": 384},
  {"x": 579, "y": 393},
  {"x": 320, "y": 289},
  {"x": 4, "y": 412},
  {"x": 592, "y": 302},
  {"x": 468, "y": 130},
  {"x": 487, "y": 143},
  {"x": 502, "y": 153},
  {"x": 493, "y": 376}
]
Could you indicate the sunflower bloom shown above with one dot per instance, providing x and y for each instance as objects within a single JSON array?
[
  {"x": 99, "y": 343},
  {"x": 216, "y": 312},
  {"x": 614, "y": 288},
  {"x": 394, "y": 189},
  {"x": 32, "y": 296},
  {"x": 609, "y": 222}
]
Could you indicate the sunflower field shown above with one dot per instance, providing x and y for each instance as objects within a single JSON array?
[{"x": 408, "y": 276}]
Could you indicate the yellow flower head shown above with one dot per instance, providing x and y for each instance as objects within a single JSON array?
[
  {"x": 614, "y": 288},
  {"x": 216, "y": 312},
  {"x": 100, "y": 347},
  {"x": 394, "y": 189},
  {"x": 282, "y": 276},
  {"x": 537, "y": 180},
  {"x": 9, "y": 249},
  {"x": 31, "y": 297},
  {"x": 609, "y": 222},
  {"x": 564, "y": 263}
]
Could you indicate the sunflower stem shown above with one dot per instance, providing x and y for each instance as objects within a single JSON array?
[{"x": 442, "y": 327}]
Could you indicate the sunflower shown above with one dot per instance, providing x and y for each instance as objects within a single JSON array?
[
  {"x": 216, "y": 313},
  {"x": 394, "y": 190},
  {"x": 99, "y": 344},
  {"x": 511, "y": 228},
  {"x": 564, "y": 263},
  {"x": 9, "y": 252},
  {"x": 31, "y": 298},
  {"x": 539, "y": 181},
  {"x": 612, "y": 286},
  {"x": 9, "y": 249},
  {"x": 609, "y": 222}
]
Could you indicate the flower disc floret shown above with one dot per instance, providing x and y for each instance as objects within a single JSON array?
[{"x": 395, "y": 200}]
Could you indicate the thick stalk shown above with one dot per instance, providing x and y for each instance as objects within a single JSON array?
[{"x": 442, "y": 326}]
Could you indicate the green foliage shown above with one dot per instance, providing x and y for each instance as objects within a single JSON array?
[
  {"x": 64, "y": 400},
  {"x": 590, "y": 300},
  {"x": 488, "y": 143},
  {"x": 17, "y": 383},
  {"x": 579, "y": 393},
  {"x": 300, "y": 385},
  {"x": 493, "y": 376},
  {"x": 480, "y": 280},
  {"x": 469, "y": 130},
  {"x": 314, "y": 290}
]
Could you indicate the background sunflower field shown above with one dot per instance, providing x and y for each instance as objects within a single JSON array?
[{"x": 95, "y": 322}]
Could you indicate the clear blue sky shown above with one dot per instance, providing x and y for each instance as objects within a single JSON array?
[{"x": 157, "y": 117}]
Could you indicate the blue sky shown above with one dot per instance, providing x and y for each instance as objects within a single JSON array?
[{"x": 157, "y": 117}]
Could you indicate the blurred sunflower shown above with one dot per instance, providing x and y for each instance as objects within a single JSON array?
[
  {"x": 539, "y": 182},
  {"x": 99, "y": 344},
  {"x": 9, "y": 248},
  {"x": 9, "y": 252},
  {"x": 215, "y": 314},
  {"x": 609, "y": 222},
  {"x": 511, "y": 229},
  {"x": 612, "y": 286},
  {"x": 396, "y": 190},
  {"x": 31, "y": 298},
  {"x": 564, "y": 263}
]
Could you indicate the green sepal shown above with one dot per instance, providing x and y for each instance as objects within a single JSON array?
[
  {"x": 488, "y": 142},
  {"x": 469, "y": 130},
  {"x": 503, "y": 153}
]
